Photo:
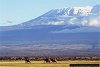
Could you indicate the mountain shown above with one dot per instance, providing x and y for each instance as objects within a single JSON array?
[
  {"x": 81, "y": 16},
  {"x": 60, "y": 16},
  {"x": 77, "y": 27},
  {"x": 96, "y": 9}
]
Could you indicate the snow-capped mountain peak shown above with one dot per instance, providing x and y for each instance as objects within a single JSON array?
[
  {"x": 70, "y": 11},
  {"x": 82, "y": 16}
]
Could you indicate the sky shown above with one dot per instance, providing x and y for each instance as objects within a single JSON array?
[{"x": 14, "y": 12}]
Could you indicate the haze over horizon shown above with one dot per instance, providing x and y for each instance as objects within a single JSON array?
[{"x": 17, "y": 11}]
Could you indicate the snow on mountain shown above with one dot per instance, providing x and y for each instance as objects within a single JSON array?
[
  {"x": 82, "y": 16},
  {"x": 70, "y": 11}
]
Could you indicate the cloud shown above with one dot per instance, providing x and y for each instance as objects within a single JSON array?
[
  {"x": 56, "y": 23},
  {"x": 9, "y": 21},
  {"x": 91, "y": 20},
  {"x": 94, "y": 21}
]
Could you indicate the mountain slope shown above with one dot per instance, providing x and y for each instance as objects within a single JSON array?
[
  {"x": 44, "y": 41},
  {"x": 52, "y": 33},
  {"x": 96, "y": 9}
]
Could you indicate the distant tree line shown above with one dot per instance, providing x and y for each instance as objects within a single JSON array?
[{"x": 41, "y": 58}]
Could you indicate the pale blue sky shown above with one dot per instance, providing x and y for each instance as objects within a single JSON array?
[{"x": 18, "y": 11}]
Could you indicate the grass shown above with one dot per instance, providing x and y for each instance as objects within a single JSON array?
[{"x": 42, "y": 64}]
